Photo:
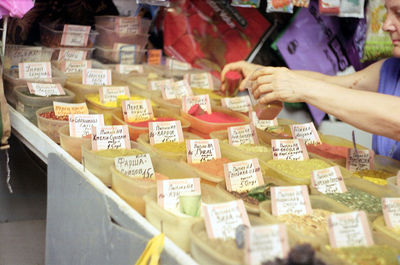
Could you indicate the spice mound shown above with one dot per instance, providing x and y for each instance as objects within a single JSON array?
[
  {"x": 358, "y": 200},
  {"x": 211, "y": 93},
  {"x": 375, "y": 176},
  {"x": 315, "y": 225},
  {"x": 118, "y": 152},
  {"x": 328, "y": 151},
  {"x": 145, "y": 124},
  {"x": 255, "y": 195},
  {"x": 300, "y": 169},
  {"x": 254, "y": 148},
  {"x": 52, "y": 116},
  {"x": 373, "y": 255},
  {"x": 213, "y": 167},
  {"x": 214, "y": 117},
  {"x": 95, "y": 98},
  {"x": 173, "y": 147}
]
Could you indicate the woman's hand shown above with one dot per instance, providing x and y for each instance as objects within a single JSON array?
[{"x": 245, "y": 68}]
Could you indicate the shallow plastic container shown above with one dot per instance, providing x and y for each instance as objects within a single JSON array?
[
  {"x": 50, "y": 36},
  {"x": 317, "y": 202},
  {"x": 108, "y": 37},
  {"x": 205, "y": 128},
  {"x": 57, "y": 51},
  {"x": 27, "y": 105},
  {"x": 71, "y": 144},
  {"x": 108, "y": 55},
  {"x": 95, "y": 64},
  {"x": 266, "y": 136},
  {"x": 15, "y": 54},
  {"x": 387, "y": 164},
  {"x": 174, "y": 106},
  {"x": 173, "y": 73},
  {"x": 49, "y": 126},
  {"x": 392, "y": 185},
  {"x": 134, "y": 131},
  {"x": 108, "y": 22},
  {"x": 11, "y": 81},
  {"x": 386, "y": 235}
]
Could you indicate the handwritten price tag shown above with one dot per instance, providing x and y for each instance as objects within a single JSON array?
[
  {"x": 262, "y": 124},
  {"x": 328, "y": 180},
  {"x": 165, "y": 131},
  {"x": 45, "y": 90},
  {"x": 129, "y": 68},
  {"x": 64, "y": 109},
  {"x": 126, "y": 53},
  {"x": 364, "y": 160},
  {"x": 111, "y": 93},
  {"x": 137, "y": 110},
  {"x": 72, "y": 55},
  {"x": 97, "y": 77},
  {"x": 305, "y": 131},
  {"x": 164, "y": 84},
  {"x": 178, "y": 90},
  {"x": 290, "y": 200},
  {"x": 177, "y": 65},
  {"x": 391, "y": 212},
  {"x": 202, "y": 100},
  {"x": 200, "y": 80},
  {"x": 289, "y": 149},
  {"x": 110, "y": 137},
  {"x": 81, "y": 124},
  {"x": 199, "y": 151},
  {"x": 139, "y": 166},
  {"x": 39, "y": 70},
  {"x": 75, "y": 66},
  {"x": 168, "y": 191},
  {"x": 245, "y": 134},
  {"x": 240, "y": 104},
  {"x": 265, "y": 243},
  {"x": 349, "y": 230},
  {"x": 244, "y": 175},
  {"x": 75, "y": 35},
  {"x": 154, "y": 56},
  {"x": 127, "y": 24}
]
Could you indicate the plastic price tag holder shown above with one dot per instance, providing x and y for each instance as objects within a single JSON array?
[
  {"x": 199, "y": 151},
  {"x": 137, "y": 110},
  {"x": 222, "y": 219},
  {"x": 111, "y": 93},
  {"x": 240, "y": 104},
  {"x": 34, "y": 70},
  {"x": 129, "y": 68},
  {"x": 24, "y": 54},
  {"x": 177, "y": 91},
  {"x": 71, "y": 55},
  {"x": 75, "y": 35},
  {"x": 262, "y": 124},
  {"x": 126, "y": 53},
  {"x": 200, "y": 80},
  {"x": 242, "y": 176},
  {"x": 97, "y": 77},
  {"x": 138, "y": 166},
  {"x": 244, "y": 134},
  {"x": 164, "y": 84},
  {"x": 177, "y": 65},
  {"x": 349, "y": 230},
  {"x": 75, "y": 66},
  {"x": 305, "y": 131},
  {"x": 364, "y": 160},
  {"x": 290, "y": 200},
  {"x": 81, "y": 124},
  {"x": 64, "y": 109},
  {"x": 165, "y": 131},
  {"x": 45, "y": 90},
  {"x": 328, "y": 180},
  {"x": 110, "y": 137},
  {"x": 391, "y": 212},
  {"x": 202, "y": 100},
  {"x": 289, "y": 149},
  {"x": 154, "y": 56}
]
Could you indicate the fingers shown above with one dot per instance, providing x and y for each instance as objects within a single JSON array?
[
  {"x": 269, "y": 98},
  {"x": 262, "y": 89},
  {"x": 236, "y": 66},
  {"x": 262, "y": 80},
  {"x": 263, "y": 72}
]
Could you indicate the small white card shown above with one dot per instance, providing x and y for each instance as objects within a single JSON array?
[
  {"x": 129, "y": 68},
  {"x": 110, "y": 137},
  {"x": 364, "y": 160},
  {"x": 126, "y": 53},
  {"x": 168, "y": 191},
  {"x": 244, "y": 134},
  {"x": 72, "y": 55},
  {"x": 244, "y": 175},
  {"x": 177, "y": 65},
  {"x": 391, "y": 212},
  {"x": 290, "y": 200},
  {"x": 349, "y": 230},
  {"x": 138, "y": 166},
  {"x": 203, "y": 150},
  {"x": 39, "y": 70},
  {"x": 45, "y": 90},
  {"x": 81, "y": 124},
  {"x": 137, "y": 110},
  {"x": 178, "y": 90},
  {"x": 200, "y": 80},
  {"x": 165, "y": 131},
  {"x": 111, "y": 93},
  {"x": 292, "y": 149},
  {"x": 75, "y": 35},
  {"x": 75, "y": 66},
  {"x": 265, "y": 243},
  {"x": 127, "y": 24},
  {"x": 305, "y": 131},
  {"x": 222, "y": 219},
  {"x": 64, "y": 109},
  {"x": 97, "y": 77},
  {"x": 328, "y": 180},
  {"x": 262, "y": 124},
  {"x": 164, "y": 84},
  {"x": 202, "y": 100},
  {"x": 240, "y": 104}
]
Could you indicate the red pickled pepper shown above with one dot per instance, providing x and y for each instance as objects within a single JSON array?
[
  {"x": 52, "y": 116},
  {"x": 214, "y": 117},
  {"x": 146, "y": 123}
]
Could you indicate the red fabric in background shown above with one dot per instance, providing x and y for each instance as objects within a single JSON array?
[{"x": 196, "y": 32}]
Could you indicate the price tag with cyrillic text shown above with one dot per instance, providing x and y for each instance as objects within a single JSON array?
[
  {"x": 222, "y": 219},
  {"x": 35, "y": 70},
  {"x": 203, "y": 150},
  {"x": 75, "y": 66},
  {"x": 127, "y": 53},
  {"x": 242, "y": 176},
  {"x": 81, "y": 124},
  {"x": 99, "y": 77},
  {"x": 292, "y": 149},
  {"x": 137, "y": 110},
  {"x": 262, "y": 124},
  {"x": 64, "y": 109},
  {"x": 364, "y": 159},
  {"x": 129, "y": 68},
  {"x": 202, "y": 100},
  {"x": 138, "y": 166},
  {"x": 178, "y": 90},
  {"x": 240, "y": 104},
  {"x": 111, "y": 93},
  {"x": 244, "y": 134},
  {"x": 177, "y": 65},
  {"x": 164, "y": 84},
  {"x": 200, "y": 80},
  {"x": 154, "y": 56},
  {"x": 72, "y": 55},
  {"x": 328, "y": 180},
  {"x": 110, "y": 137},
  {"x": 305, "y": 131},
  {"x": 45, "y": 90},
  {"x": 349, "y": 230},
  {"x": 165, "y": 131},
  {"x": 391, "y": 212},
  {"x": 75, "y": 35},
  {"x": 290, "y": 200},
  {"x": 127, "y": 24}
]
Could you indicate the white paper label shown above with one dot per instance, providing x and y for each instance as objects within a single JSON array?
[
  {"x": 110, "y": 137},
  {"x": 127, "y": 24},
  {"x": 199, "y": 151},
  {"x": 164, "y": 84},
  {"x": 364, "y": 160},
  {"x": 127, "y": 53},
  {"x": 244, "y": 175},
  {"x": 97, "y": 77},
  {"x": 129, "y": 68},
  {"x": 165, "y": 131},
  {"x": 139, "y": 166},
  {"x": 111, "y": 93},
  {"x": 265, "y": 243},
  {"x": 222, "y": 219},
  {"x": 75, "y": 66},
  {"x": 72, "y": 55},
  {"x": 262, "y": 124},
  {"x": 240, "y": 104},
  {"x": 200, "y": 80},
  {"x": 289, "y": 149},
  {"x": 349, "y": 230},
  {"x": 290, "y": 200},
  {"x": 45, "y": 90},
  {"x": 177, "y": 65},
  {"x": 202, "y": 100},
  {"x": 168, "y": 191},
  {"x": 81, "y": 124},
  {"x": 39, "y": 70},
  {"x": 328, "y": 180},
  {"x": 64, "y": 109},
  {"x": 305, "y": 131},
  {"x": 74, "y": 35},
  {"x": 137, "y": 110},
  {"x": 391, "y": 212},
  {"x": 245, "y": 134},
  {"x": 178, "y": 90}
]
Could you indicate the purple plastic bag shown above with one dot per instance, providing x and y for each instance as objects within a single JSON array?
[{"x": 15, "y": 8}]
